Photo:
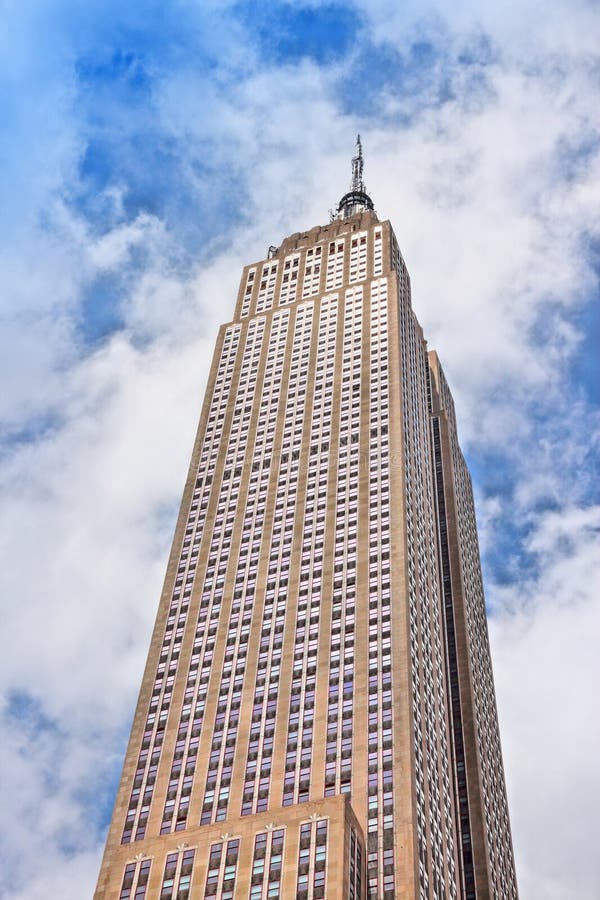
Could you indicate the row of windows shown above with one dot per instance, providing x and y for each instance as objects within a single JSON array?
[
  {"x": 260, "y": 747},
  {"x": 267, "y": 865},
  {"x": 266, "y": 288},
  {"x": 462, "y": 815},
  {"x": 380, "y": 814},
  {"x": 222, "y": 870},
  {"x": 327, "y": 260},
  {"x": 266, "y": 873},
  {"x": 356, "y": 867},
  {"x": 225, "y": 729},
  {"x": 312, "y": 860},
  {"x": 432, "y": 776},
  {"x": 296, "y": 788},
  {"x": 177, "y": 877},
  {"x": 176, "y": 880},
  {"x": 152, "y": 740},
  {"x": 185, "y": 755},
  {"x": 135, "y": 880},
  {"x": 219, "y": 780},
  {"x": 338, "y": 760}
]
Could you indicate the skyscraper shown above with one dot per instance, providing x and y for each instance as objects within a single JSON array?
[{"x": 317, "y": 715}]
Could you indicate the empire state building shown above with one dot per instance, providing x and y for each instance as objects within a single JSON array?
[{"x": 317, "y": 716}]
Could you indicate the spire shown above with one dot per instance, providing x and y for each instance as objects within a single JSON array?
[
  {"x": 357, "y": 199},
  {"x": 357, "y": 168}
]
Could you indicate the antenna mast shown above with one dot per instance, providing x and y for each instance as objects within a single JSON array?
[
  {"x": 357, "y": 199},
  {"x": 357, "y": 183}
]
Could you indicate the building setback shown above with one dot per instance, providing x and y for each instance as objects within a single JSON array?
[{"x": 317, "y": 716}]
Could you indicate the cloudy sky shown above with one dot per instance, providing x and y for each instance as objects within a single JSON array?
[{"x": 148, "y": 150}]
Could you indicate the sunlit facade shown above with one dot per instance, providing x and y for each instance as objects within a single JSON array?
[{"x": 317, "y": 716}]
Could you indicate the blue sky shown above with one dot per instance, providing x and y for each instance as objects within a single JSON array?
[{"x": 148, "y": 151}]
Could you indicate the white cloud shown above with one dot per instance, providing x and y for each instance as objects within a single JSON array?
[
  {"x": 113, "y": 248},
  {"x": 493, "y": 233},
  {"x": 546, "y": 666}
]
